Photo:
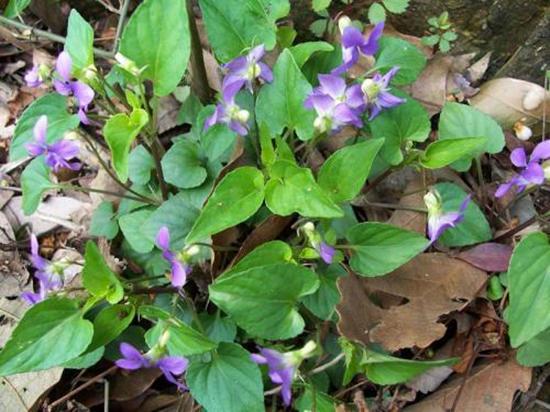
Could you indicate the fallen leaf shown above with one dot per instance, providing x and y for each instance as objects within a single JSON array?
[
  {"x": 489, "y": 388},
  {"x": 129, "y": 385},
  {"x": 13, "y": 273},
  {"x": 509, "y": 100},
  {"x": 402, "y": 309},
  {"x": 490, "y": 257},
  {"x": 408, "y": 219},
  {"x": 168, "y": 113},
  {"x": 430, "y": 380}
]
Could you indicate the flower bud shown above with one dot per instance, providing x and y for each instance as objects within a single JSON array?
[
  {"x": 129, "y": 65},
  {"x": 243, "y": 116},
  {"x": 370, "y": 89},
  {"x": 433, "y": 201},
  {"x": 522, "y": 131},
  {"x": 343, "y": 22},
  {"x": 192, "y": 250}
]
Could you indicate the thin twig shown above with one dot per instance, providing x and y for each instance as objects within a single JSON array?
[
  {"x": 47, "y": 35},
  {"x": 199, "y": 83},
  {"x": 327, "y": 365},
  {"x": 121, "y": 20}
]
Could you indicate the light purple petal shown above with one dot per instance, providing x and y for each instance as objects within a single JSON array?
[
  {"x": 63, "y": 88},
  {"x": 464, "y": 204},
  {"x": 370, "y": 47},
  {"x": 375, "y": 111},
  {"x": 541, "y": 151},
  {"x": 439, "y": 224},
  {"x": 64, "y": 65},
  {"x": 266, "y": 74},
  {"x": 343, "y": 115},
  {"x": 238, "y": 127},
  {"x": 214, "y": 118},
  {"x": 129, "y": 364},
  {"x": 387, "y": 78},
  {"x": 533, "y": 174},
  {"x": 83, "y": 93},
  {"x": 132, "y": 358},
  {"x": 32, "y": 298},
  {"x": 256, "y": 53},
  {"x": 237, "y": 65},
  {"x": 32, "y": 77},
  {"x": 327, "y": 253},
  {"x": 334, "y": 86},
  {"x": 354, "y": 97},
  {"x": 230, "y": 90},
  {"x": 352, "y": 37},
  {"x": 173, "y": 364},
  {"x": 163, "y": 238},
  {"x": 504, "y": 188},
  {"x": 40, "y": 130},
  {"x": 83, "y": 116},
  {"x": 34, "y": 149},
  {"x": 388, "y": 100},
  {"x": 64, "y": 148},
  {"x": 259, "y": 359},
  {"x": 179, "y": 273},
  {"x": 518, "y": 157},
  {"x": 38, "y": 261},
  {"x": 323, "y": 104}
]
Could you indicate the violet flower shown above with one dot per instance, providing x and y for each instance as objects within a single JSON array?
[
  {"x": 171, "y": 366},
  {"x": 326, "y": 252},
  {"x": 58, "y": 154},
  {"x": 33, "y": 78},
  {"x": 179, "y": 269},
  {"x": 228, "y": 112},
  {"x": 66, "y": 86},
  {"x": 244, "y": 70},
  {"x": 533, "y": 173},
  {"x": 354, "y": 44},
  {"x": 48, "y": 279},
  {"x": 439, "y": 221},
  {"x": 376, "y": 94}
]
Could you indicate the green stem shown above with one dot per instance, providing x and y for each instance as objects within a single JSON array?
[
  {"x": 105, "y": 192},
  {"x": 395, "y": 206},
  {"x": 120, "y": 25}
]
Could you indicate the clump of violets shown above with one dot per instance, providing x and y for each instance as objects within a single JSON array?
[
  {"x": 240, "y": 72},
  {"x": 171, "y": 366},
  {"x": 65, "y": 85},
  {"x": 178, "y": 262},
  {"x": 376, "y": 93},
  {"x": 244, "y": 70},
  {"x": 438, "y": 220},
  {"x": 57, "y": 155},
  {"x": 354, "y": 43},
  {"x": 336, "y": 104},
  {"x": 533, "y": 169},
  {"x": 48, "y": 274},
  {"x": 282, "y": 367},
  {"x": 325, "y": 251}
]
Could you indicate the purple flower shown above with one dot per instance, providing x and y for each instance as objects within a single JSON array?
[
  {"x": 439, "y": 221},
  {"x": 33, "y": 78},
  {"x": 48, "y": 280},
  {"x": 83, "y": 93},
  {"x": 228, "y": 112},
  {"x": 533, "y": 172},
  {"x": 179, "y": 270},
  {"x": 244, "y": 70},
  {"x": 336, "y": 104},
  {"x": 57, "y": 154},
  {"x": 376, "y": 94},
  {"x": 326, "y": 252},
  {"x": 171, "y": 366},
  {"x": 354, "y": 43},
  {"x": 281, "y": 370}
]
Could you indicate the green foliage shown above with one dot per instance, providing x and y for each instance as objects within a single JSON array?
[
  {"x": 182, "y": 165},
  {"x": 80, "y": 43},
  {"x": 59, "y": 121},
  {"x": 16, "y": 7},
  {"x": 319, "y": 5},
  {"x": 398, "y": 52},
  {"x": 280, "y": 104},
  {"x": 379, "y": 248},
  {"x": 109, "y": 323},
  {"x": 104, "y": 221},
  {"x": 236, "y": 379},
  {"x": 133, "y": 227},
  {"x": 35, "y": 181},
  {"x": 140, "y": 165},
  {"x": 444, "y": 152},
  {"x": 442, "y": 33},
  {"x": 323, "y": 302},
  {"x": 536, "y": 351},
  {"x": 98, "y": 278},
  {"x": 303, "y": 51},
  {"x": 50, "y": 333}
]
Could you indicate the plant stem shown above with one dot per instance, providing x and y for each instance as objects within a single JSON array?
[
  {"x": 394, "y": 206},
  {"x": 120, "y": 25},
  {"x": 327, "y": 365},
  {"x": 157, "y": 150},
  {"x": 199, "y": 84},
  {"x": 105, "y": 192},
  {"x": 47, "y": 35}
]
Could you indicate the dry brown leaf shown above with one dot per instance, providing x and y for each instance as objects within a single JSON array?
[
  {"x": 129, "y": 385},
  {"x": 168, "y": 113},
  {"x": 509, "y": 100},
  {"x": 13, "y": 274},
  {"x": 402, "y": 309},
  {"x": 489, "y": 388},
  {"x": 408, "y": 219}
]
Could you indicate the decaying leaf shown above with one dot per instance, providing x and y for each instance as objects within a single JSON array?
[
  {"x": 402, "y": 309},
  {"x": 409, "y": 219},
  {"x": 491, "y": 257},
  {"x": 129, "y": 385},
  {"x": 489, "y": 388},
  {"x": 13, "y": 274},
  {"x": 509, "y": 100},
  {"x": 430, "y": 380}
]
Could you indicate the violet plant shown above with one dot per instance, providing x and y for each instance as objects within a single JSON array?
[{"x": 245, "y": 156}]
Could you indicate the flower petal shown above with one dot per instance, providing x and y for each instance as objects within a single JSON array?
[
  {"x": 163, "y": 238},
  {"x": 64, "y": 65},
  {"x": 541, "y": 151},
  {"x": 370, "y": 47},
  {"x": 179, "y": 273},
  {"x": 40, "y": 130},
  {"x": 518, "y": 157},
  {"x": 83, "y": 93},
  {"x": 173, "y": 364},
  {"x": 334, "y": 86}
]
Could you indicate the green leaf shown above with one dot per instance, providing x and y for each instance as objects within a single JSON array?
[
  {"x": 319, "y": 5},
  {"x": 285, "y": 36},
  {"x": 182, "y": 165},
  {"x": 236, "y": 198},
  {"x": 140, "y": 165},
  {"x": 269, "y": 253},
  {"x": 227, "y": 382},
  {"x": 218, "y": 328},
  {"x": 133, "y": 227},
  {"x": 233, "y": 26},
  {"x": 450, "y": 36},
  {"x": 120, "y": 132},
  {"x": 444, "y": 46},
  {"x": 262, "y": 300},
  {"x": 323, "y": 302},
  {"x": 473, "y": 229},
  {"x": 86, "y": 360},
  {"x": 344, "y": 173},
  {"x": 293, "y": 189},
  {"x": 104, "y": 221},
  {"x": 98, "y": 278},
  {"x": 396, "y": 6},
  {"x": 303, "y": 51},
  {"x": 50, "y": 333},
  {"x": 376, "y": 13},
  {"x": 178, "y": 214},
  {"x": 536, "y": 351},
  {"x": 459, "y": 120},
  {"x": 379, "y": 248},
  {"x": 280, "y": 104},
  {"x": 384, "y": 369},
  {"x": 444, "y": 152},
  {"x": 157, "y": 37},
  {"x": 430, "y": 40},
  {"x": 16, "y": 7},
  {"x": 35, "y": 181},
  {"x": 398, "y": 52},
  {"x": 318, "y": 27},
  {"x": 80, "y": 43},
  {"x": 59, "y": 121},
  {"x": 529, "y": 289},
  {"x": 314, "y": 400},
  {"x": 110, "y": 323},
  {"x": 399, "y": 125},
  {"x": 217, "y": 140}
]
